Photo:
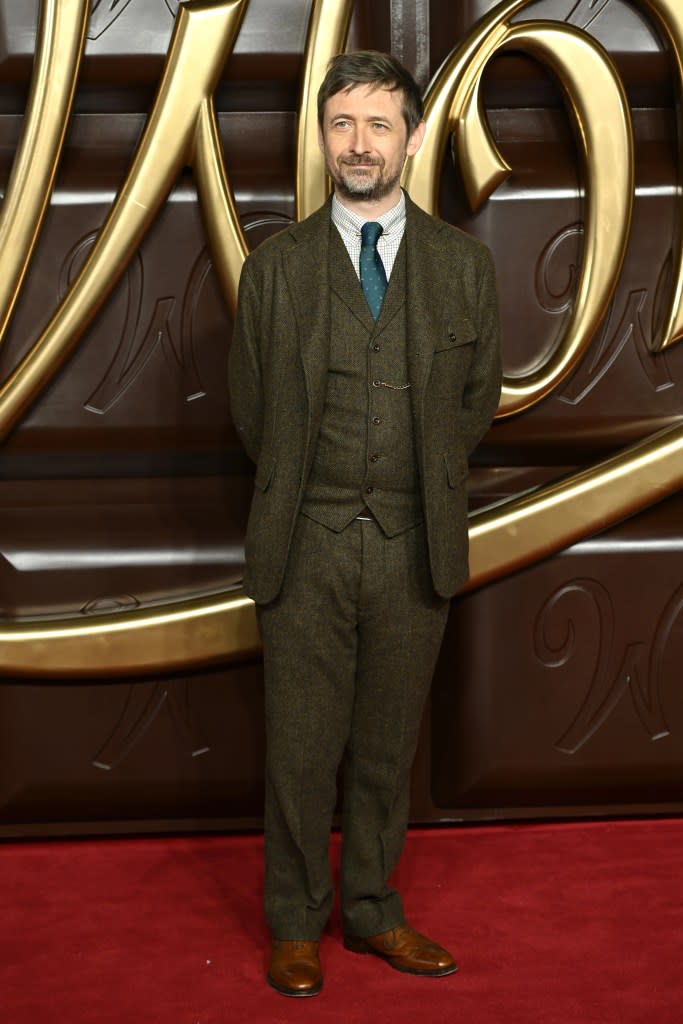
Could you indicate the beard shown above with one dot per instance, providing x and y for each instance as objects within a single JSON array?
[{"x": 364, "y": 184}]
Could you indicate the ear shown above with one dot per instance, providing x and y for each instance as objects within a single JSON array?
[
  {"x": 321, "y": 140},
  {"x": 415, "y": 140}
]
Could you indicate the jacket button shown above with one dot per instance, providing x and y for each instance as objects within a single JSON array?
[
  {"x": 374, "y": 458},
  {"x": 368, "y": 490},
  {"x": 452, "y": 336}
]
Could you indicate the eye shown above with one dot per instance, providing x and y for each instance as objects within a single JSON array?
[
  {"x": 341, "y": 124},
  {"x": 380, "y": 126}
]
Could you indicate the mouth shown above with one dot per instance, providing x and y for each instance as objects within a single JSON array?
[{"x": 360, "y": 163}]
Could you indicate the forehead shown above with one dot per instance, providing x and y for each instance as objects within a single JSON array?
[{"x": 366, "y": 100}]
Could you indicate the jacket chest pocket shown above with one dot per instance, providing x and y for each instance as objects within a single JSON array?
[{"x": 457, "y": 335}]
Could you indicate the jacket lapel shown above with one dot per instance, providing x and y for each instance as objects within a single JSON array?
[
  {"x": 306, "y": 267},
  {"x": 345, "y": 284},
  {"x": 395, "y": 297},
  {"x": 425, "y": 295}
]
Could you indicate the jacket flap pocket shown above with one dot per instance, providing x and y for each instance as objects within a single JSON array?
[
  {"x": 458, "y": 330},
  {"x": 456, "y": 468},
  {"x": 264, "y": 471}
]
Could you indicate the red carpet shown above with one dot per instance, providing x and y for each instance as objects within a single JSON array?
[{"x": 551, "y": 924}]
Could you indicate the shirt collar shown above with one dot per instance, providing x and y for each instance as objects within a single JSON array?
[{"x": 351, "y": 223}]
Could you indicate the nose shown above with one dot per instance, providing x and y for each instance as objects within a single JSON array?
[{"x": 360, "y": 139}]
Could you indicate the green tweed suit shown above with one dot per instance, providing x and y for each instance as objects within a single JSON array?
[{"x": 338, "y": 685}]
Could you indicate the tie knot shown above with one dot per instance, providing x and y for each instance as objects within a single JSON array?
[{"x": 370, "y": 232}]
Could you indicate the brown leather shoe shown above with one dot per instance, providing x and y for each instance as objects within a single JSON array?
[
  {"x": 406, "y": 950},
  {"x": 294, "y": 968}
]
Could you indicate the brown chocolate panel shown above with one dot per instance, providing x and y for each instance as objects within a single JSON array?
[
  {"x": 134, "y": 756},
  {"x": 124, "y": 485},
  {"x": 558, "y": 690},
  {"x": 87, "y": 545}
]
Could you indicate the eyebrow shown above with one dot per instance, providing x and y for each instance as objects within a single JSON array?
[{"x": 370, "y": 117}]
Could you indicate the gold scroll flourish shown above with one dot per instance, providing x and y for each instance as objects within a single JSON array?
[
  {"x": 526, "y": 529},
  {"x": 601, "y": 112},
  {"x": 327, "y": 31},
  {"x": 60, "y": 44},
  {"x": 180, "y": 128},
  {"x": 668, "y": 15},
  {"x": 197, "y": 631}
]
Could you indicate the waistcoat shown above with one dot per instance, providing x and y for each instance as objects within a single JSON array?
[{"x": 365, "y": 451}]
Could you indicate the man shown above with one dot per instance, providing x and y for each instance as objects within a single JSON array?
[{"x": 360, "y": 402}]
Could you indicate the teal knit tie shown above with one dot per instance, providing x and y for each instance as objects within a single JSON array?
[{"x": 373, "y": 279}]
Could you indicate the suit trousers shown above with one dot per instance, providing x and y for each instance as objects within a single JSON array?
[{"x": 350, "y": 645}]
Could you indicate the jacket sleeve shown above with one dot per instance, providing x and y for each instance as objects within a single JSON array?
[
  {"x": 245, "y": 379},
  {"x": 482, "y": 391}
]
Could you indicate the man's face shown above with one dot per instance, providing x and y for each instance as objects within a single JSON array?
[{"x": 365, "y": 142}]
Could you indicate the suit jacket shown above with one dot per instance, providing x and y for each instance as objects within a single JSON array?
[{"x": 278, "y": 369}]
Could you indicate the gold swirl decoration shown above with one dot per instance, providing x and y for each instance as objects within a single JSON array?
[
  {"x": 198, "y": 631},
  {"x": 600, "y": 108},
  {"x": 60, "y": 44},
  {"x": 181, "y": 130},
  {"x": 211, "y": 629},
  {"x": 668, "y": 16}
]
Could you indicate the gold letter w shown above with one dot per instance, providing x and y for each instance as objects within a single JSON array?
[{"x": 181, "y": 130}]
